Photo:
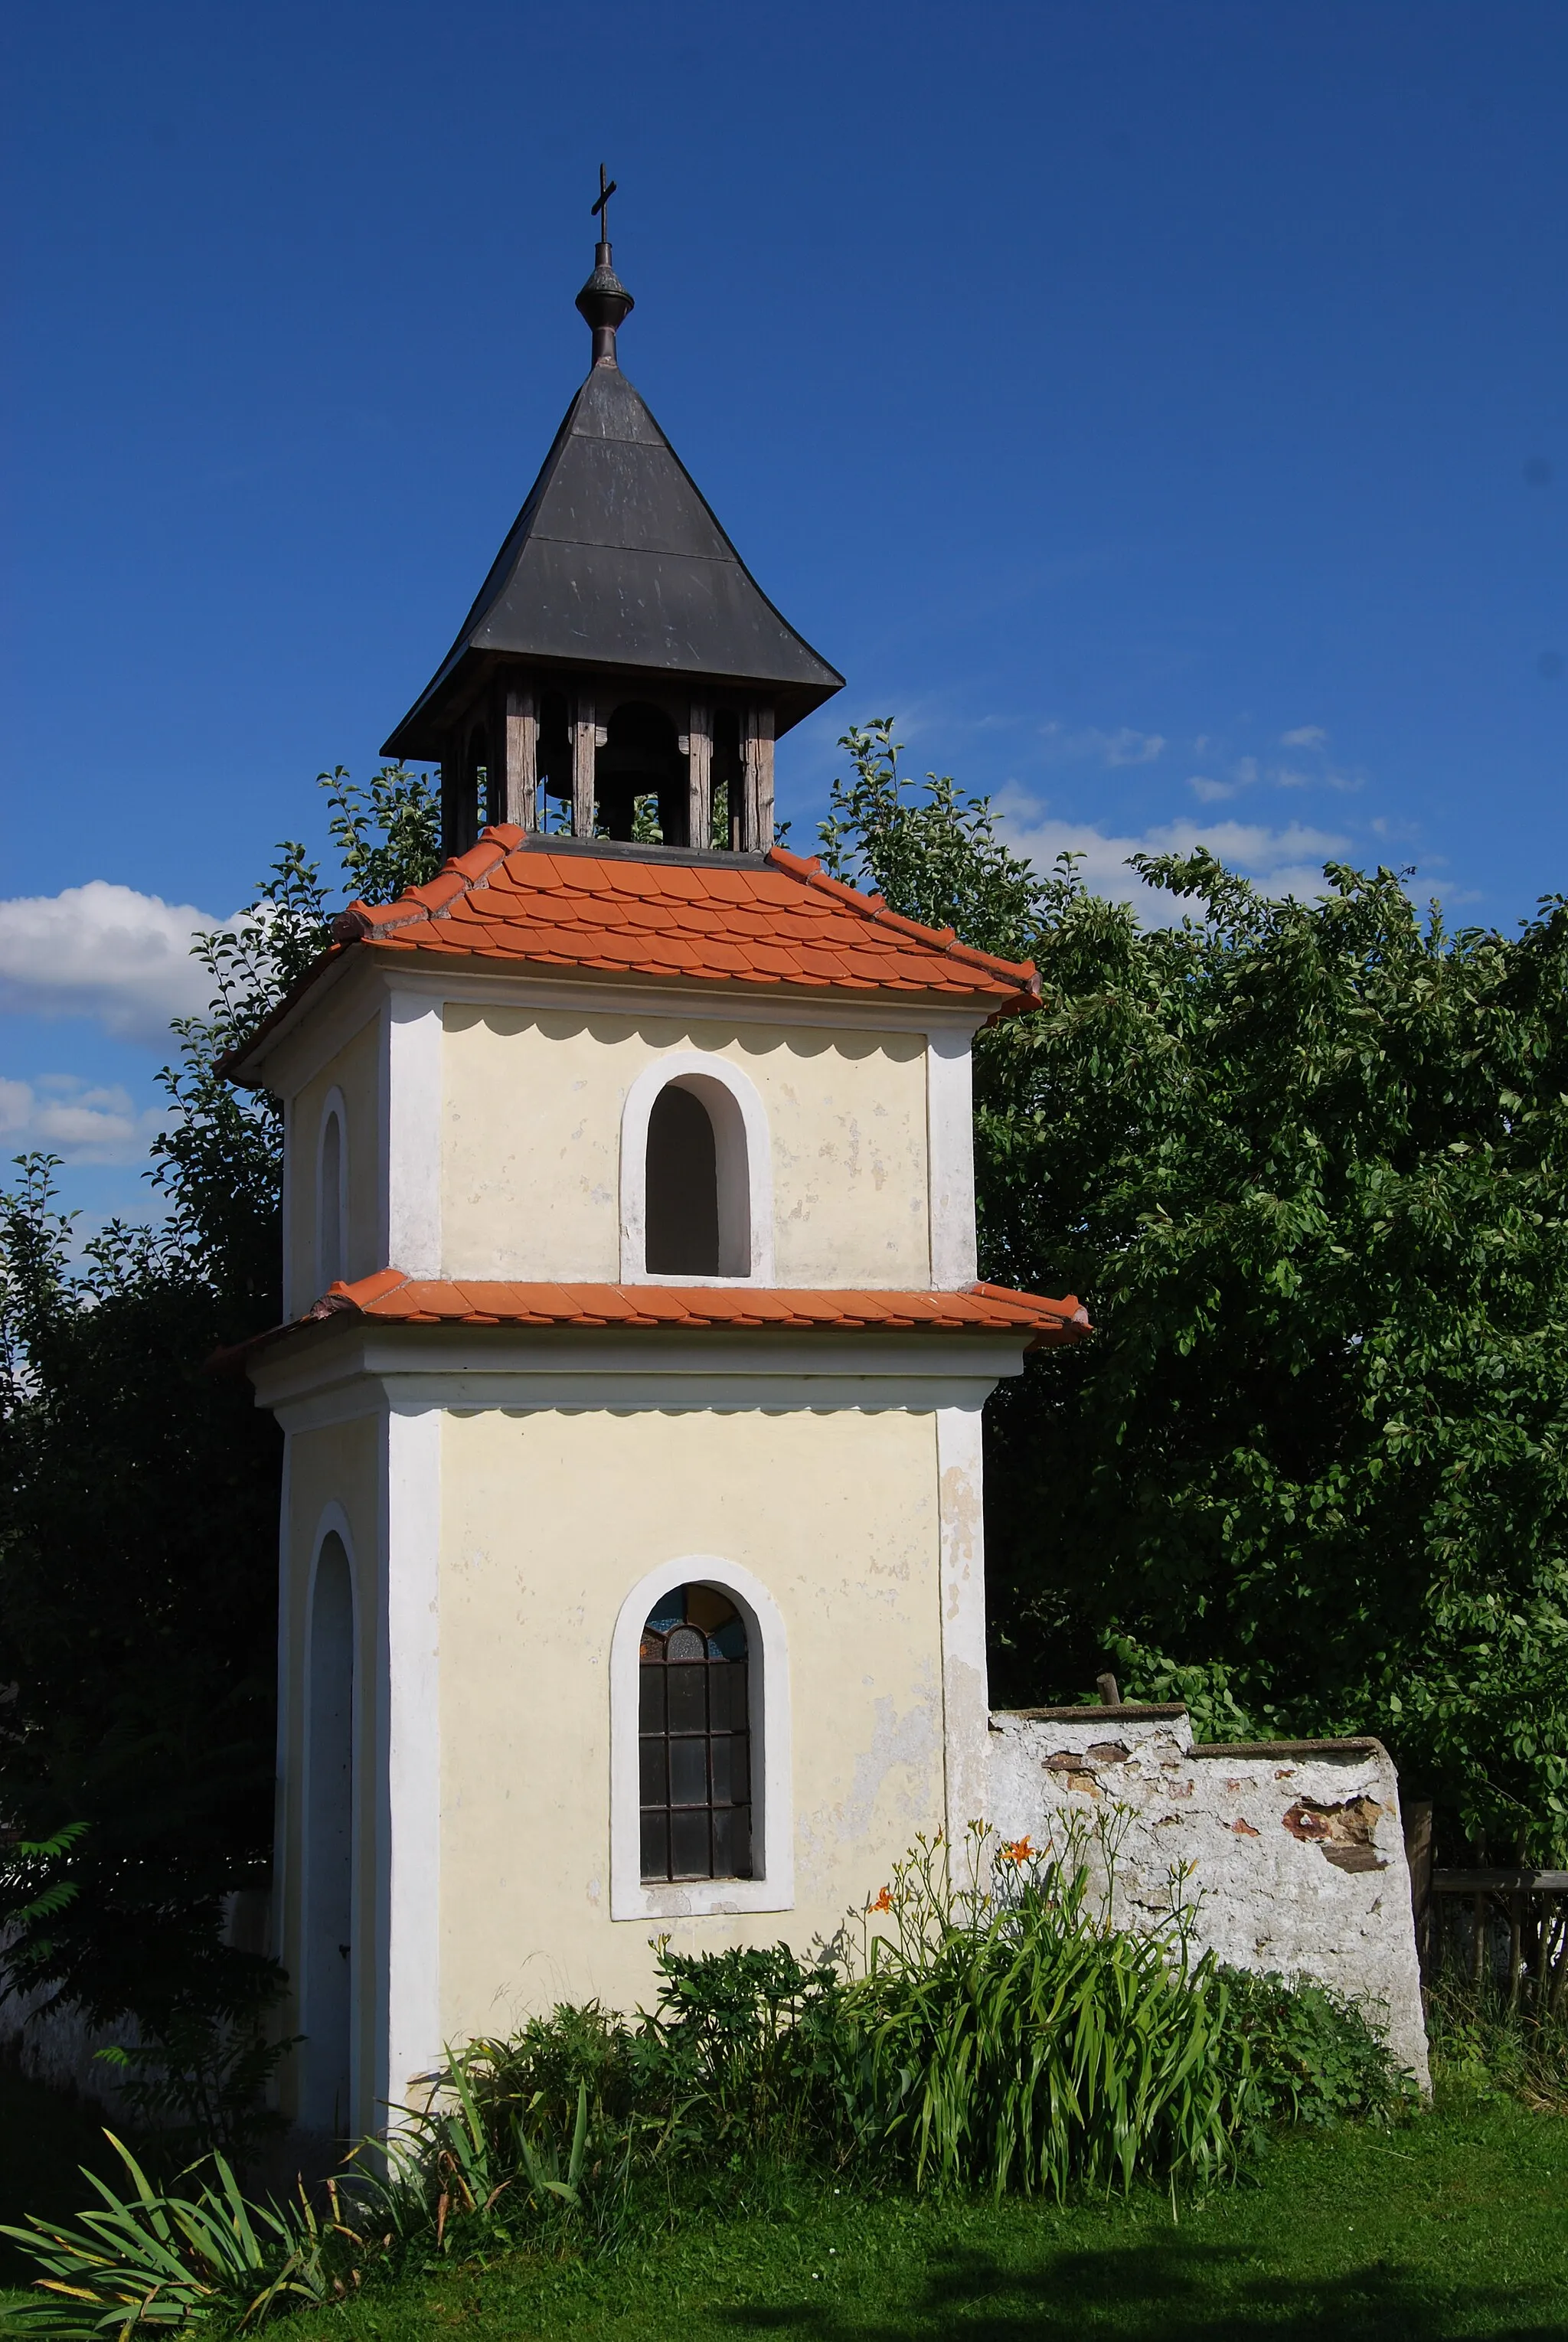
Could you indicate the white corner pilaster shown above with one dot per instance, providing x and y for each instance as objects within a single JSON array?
[
  {"x": 965, "y": 1700},
  {"x": 950, "y": 1155},
  {"x": 411, "y": 1100},
  {"x": 408, "y": 1808}
]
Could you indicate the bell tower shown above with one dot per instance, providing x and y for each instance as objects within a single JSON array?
[{"x": 620, "y": 658}]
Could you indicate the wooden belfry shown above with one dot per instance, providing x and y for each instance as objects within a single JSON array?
[{"x": 619, "y": 648}]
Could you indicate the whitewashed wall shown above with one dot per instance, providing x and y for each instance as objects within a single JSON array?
[{"x": 1296, "y": 1848}]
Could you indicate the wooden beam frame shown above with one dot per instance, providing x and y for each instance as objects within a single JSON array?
[
  {"x": 757, "y": 780},
  {"x": 519, "y": 725},
  {"x": 699, "y": 746},
  {"x": 584, "y": 742}
]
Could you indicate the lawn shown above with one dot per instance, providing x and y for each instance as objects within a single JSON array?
[{"x": 1455, "y": 2225}]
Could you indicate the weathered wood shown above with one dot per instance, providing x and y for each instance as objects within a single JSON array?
[
  {"x": 700, "y": 775},
  {"x": 757, "y": 780},
  {"x": 1110, "y": 1695},
  {"x": 584, "y": 743},
  {"x": 520, "y": 767},
  {"x": 1418, "y": 1854},
  {"x": 1500, "y": 1882}
]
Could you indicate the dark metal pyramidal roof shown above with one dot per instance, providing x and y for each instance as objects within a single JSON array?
[{"x": 615, "y": 560}]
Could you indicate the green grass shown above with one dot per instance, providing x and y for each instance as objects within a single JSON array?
[{"x": 1454, "y": 2225}]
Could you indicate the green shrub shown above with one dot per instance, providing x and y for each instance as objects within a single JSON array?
[{"x": 1312, "y": 2057}]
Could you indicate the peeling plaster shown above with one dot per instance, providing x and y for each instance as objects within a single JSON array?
[{"x": 1299, "y": 1868}]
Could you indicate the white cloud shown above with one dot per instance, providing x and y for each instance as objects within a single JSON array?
[
  {"x": 1209, "y": 792},
  {"x": 1124, "y": 747},
  {"x": 1129, "y": 748},
  {"x": 103, "y": 951},
  {"x": 1286, "y": 861},
  {"x": 61, "y": 1116},
  {"x": 1306, "y": 735}
]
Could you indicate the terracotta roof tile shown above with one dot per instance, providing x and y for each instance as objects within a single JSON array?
[
  {"x": 510, "y": 899},
  {"x": 389, "y": 1298}
]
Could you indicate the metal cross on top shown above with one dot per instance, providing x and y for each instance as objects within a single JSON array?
[{"x": 601, "y": 210}]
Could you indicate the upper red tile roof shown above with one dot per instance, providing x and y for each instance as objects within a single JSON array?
[
  {"x": 787, "y": 921},
  {"x": 391, "y": 1298}
]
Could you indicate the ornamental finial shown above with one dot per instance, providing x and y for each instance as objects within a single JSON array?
[{"x": 603, "y": 301}]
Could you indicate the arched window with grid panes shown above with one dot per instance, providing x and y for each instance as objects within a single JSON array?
[{"x": 694, "y": 1738}]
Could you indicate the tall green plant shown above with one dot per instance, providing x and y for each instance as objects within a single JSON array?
[
  {"x": 154, "y": 2259},
  {"x": 1012, "y": 2038}
]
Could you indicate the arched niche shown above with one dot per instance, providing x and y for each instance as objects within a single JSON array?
[
  {"x": 326, "y": 1981},
  {"x": 727, "y": 1209}
]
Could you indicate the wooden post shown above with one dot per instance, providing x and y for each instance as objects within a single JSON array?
[
  {"x": 584, "y": 741},
  {"x": 1418, "y": 1854},
  {"x": 520, "y": 763},
  {"x": 700, "y": 775},
  {"x": 757, "y": 782}
]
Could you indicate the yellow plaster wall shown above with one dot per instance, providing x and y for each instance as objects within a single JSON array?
[
  {"x": 339, "y": 1464},
  {"x": 548, "y": 1522},
  {"x": 532, "y": 1128},
  {"x": 356, "y": 1072}
]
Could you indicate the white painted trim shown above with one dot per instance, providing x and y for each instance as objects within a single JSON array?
[
  {"x": 285, "y": 1757},
  {"x": 408, "y": 1819},
  {"x": 337, "y": 1379},
  {"x": 745, "y": 1162},
  {"x": 965, "y": 1700},
  {"x": 333, "y": 1108},
  {"x": 295, "y": 1303},
  {"x": 950, "y": 1156},
  {"x": 411, "y": 1027},
  {"x": 302, "y": 1041},
  {"x": 773, "y": 1780},
  {"x": 333, "y": 1380},
  {"x": 334, "y": 1521}
]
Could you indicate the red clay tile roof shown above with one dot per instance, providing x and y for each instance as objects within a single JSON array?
[
  {"x": 391, "y": 1298},
  {"x": 510, "y": 897}
]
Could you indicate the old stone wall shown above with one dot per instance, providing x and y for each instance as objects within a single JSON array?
[{"x": 1294, "y": 1850}]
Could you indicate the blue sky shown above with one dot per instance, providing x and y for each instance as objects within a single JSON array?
[{"x": 1161, "y": 408}]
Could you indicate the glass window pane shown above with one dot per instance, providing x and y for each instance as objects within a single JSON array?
[
  {"x": 688, "y": 1772},
  {"x": 685, "y": 1643},
  {"x": 728, "y": 1695},
  {"x": 655, "y": 1790},
  {"x": 651, "y": 1699},
  {"x": 656, "y": 1847},
  {"x": 689, "y": 1845},
  {"x": 688, "y": 1704},
  {"x": 732, "y": 1843}
]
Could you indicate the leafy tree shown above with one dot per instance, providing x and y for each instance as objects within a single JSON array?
[
  {"x": 1307, "y": 1162},
  {"x": 138, "y": 1508}
]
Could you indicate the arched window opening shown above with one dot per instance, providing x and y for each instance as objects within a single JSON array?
[
  {"x": 694, "y": 1739},
  {"x": 727, "y": 773},
  {"x": 327, "y": 1970},
  {"x": 682, "y": 1186},
  {"x": 331, "y": 1248},
  {"x": 641, "y": 759}
]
